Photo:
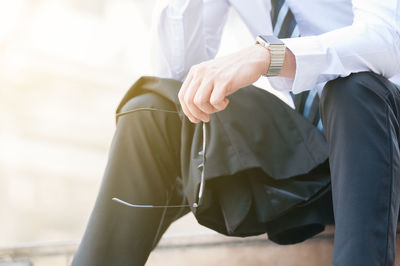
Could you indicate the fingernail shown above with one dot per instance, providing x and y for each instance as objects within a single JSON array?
[{"x": 194, "y": 120}]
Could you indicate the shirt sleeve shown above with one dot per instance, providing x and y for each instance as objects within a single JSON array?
[
  {"x": 371, "y": 43},
  {"x": 185, "y": 33}
]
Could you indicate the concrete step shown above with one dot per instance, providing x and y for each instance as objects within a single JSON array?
[{"x": 214, "y": 249}]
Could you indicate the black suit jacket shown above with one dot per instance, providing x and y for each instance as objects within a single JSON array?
[{"x": 266, "y": 167}]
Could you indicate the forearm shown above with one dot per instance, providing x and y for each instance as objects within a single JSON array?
[{"x": 289, "y": 65}]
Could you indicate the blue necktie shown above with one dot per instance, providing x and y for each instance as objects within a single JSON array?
[{"x": 285, "y": 26}]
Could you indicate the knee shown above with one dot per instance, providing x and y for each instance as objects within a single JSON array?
[
  {"x": 341, "y": 91},
  {"x": 147, "y": 100},
  {"x": 147, "y": 112},
  {"x": 354, "y": 91},
  {"x": 142, "y": 108}
]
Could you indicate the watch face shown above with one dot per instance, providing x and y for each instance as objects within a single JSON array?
[{"x": 271, "y": 39}]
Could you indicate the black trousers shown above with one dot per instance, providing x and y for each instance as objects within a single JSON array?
[
  {"x": 142, "y": 169},
  {"x": 360, "y": 117},
  {"x": 360, "y": 114}
]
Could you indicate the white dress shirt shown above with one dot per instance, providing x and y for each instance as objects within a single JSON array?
[{"x": 339, "y": 37}]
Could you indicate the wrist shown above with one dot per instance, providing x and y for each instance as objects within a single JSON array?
[{"x": 264, "y": 58}]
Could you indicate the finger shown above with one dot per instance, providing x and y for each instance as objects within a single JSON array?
[
  {"x": 202, "y": 97},
  {"x": 181, "y": 96},
  {"x": 189, "y": 101},
  {"x": 218, "y": 97}
]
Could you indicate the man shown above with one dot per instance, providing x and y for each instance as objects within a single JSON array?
[{"x": 350, "y": 51}]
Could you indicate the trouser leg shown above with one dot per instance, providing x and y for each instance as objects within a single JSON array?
[
  {"x": 360, "y": 114},
  {"x": 143, "y": 166}
]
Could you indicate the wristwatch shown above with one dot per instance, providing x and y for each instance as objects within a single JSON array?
[{"x": 277, "y": 50}]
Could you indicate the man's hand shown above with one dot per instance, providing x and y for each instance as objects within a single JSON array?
[{"x": 205, "y": 89}]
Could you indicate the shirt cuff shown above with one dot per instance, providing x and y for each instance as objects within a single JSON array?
[
  {"x": 312, "y": 62},
  {"x": 281, "y": 83}
]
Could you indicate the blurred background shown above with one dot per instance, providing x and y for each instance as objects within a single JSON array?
[{"x": 64, "y": 66}]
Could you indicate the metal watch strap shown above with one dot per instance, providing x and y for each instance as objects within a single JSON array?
[
  {"x": 277, "y": 58},
  {"x": 277, "y": 53}
]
